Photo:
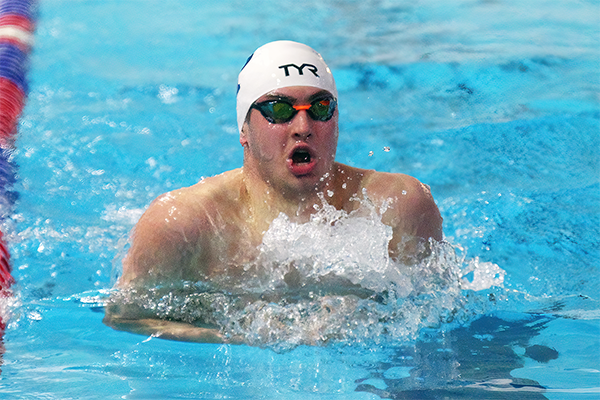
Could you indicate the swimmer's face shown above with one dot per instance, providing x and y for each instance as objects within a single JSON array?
[{"x": 293, "y": 155}]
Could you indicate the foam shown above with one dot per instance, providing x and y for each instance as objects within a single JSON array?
[{"x": 347, "y": 288}]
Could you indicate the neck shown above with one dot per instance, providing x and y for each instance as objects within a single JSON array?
[{"x": 267, "y": 201}]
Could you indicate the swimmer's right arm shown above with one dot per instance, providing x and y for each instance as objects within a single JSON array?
[
  {"x": 165, "y": 248},
  {"x": 164, "y": 329},
  {"x": 169, "y": 330},
  {"x": 167, "y": 244}
]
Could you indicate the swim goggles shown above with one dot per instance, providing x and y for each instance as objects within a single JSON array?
[{"x": 281, "y": 111}]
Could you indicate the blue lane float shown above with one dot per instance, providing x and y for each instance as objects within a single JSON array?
[{"x": 16, "y": 39}]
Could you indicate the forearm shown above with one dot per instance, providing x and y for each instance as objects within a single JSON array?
[
  {"x": 164, "y": 329},
  {"x": 135, "y": 319}
]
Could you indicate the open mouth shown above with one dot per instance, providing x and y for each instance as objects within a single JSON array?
[
  {"x": 301, "y": 162},
  {"x": 301, "y": 157}
]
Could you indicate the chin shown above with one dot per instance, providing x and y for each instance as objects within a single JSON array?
[{"x": 312, "y": 183}]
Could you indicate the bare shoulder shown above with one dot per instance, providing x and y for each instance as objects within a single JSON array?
[
  {"x": 167, "y": 242},
  {"x": 209, "y": 190},
  {"x": 411, "y": 207},
  {"x": 185, "y": 210},
  {"x": 385, "y": 185},
  {"x": 396, "y": 186}
]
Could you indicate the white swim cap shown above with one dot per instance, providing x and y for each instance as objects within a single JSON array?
[{"x": 277, "y": 65}]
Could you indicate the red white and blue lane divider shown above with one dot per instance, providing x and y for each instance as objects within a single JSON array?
[{"x": 16, "y": 39}]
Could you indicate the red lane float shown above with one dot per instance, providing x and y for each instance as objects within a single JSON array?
[{"x": 16, "y": 38}]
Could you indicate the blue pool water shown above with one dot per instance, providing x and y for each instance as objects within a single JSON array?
[{"x": 494, "y": 104}]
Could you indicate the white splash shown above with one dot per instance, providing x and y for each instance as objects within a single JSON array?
[
  {"x": 345, "y": 287},
  {"x": 332, "y": 242}
]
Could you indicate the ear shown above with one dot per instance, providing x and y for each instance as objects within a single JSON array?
[{"x": 243, "y": 137}]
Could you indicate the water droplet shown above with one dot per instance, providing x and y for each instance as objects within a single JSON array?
[{"x": 35, "y": 316}]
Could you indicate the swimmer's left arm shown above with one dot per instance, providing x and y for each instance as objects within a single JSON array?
[{"x": 411, "y": 211}]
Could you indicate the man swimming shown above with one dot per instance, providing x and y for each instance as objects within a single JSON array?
[{"x": 211, "y": 232}]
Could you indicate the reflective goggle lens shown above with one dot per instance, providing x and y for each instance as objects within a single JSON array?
[{"x": 281, "y": 111}]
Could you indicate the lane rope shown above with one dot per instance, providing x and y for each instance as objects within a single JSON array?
[{"x": 16, "y": 39}]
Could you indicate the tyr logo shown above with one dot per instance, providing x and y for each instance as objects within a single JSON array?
[{"x": 310, "y": 67}]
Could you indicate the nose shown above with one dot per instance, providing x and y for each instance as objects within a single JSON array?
[{"x": 300, "y": 126}]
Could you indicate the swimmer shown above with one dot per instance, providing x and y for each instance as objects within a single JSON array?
[{"x": 287, "y": 116}]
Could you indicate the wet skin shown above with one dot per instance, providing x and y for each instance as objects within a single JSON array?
[{"x": 208, "y": 232}]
